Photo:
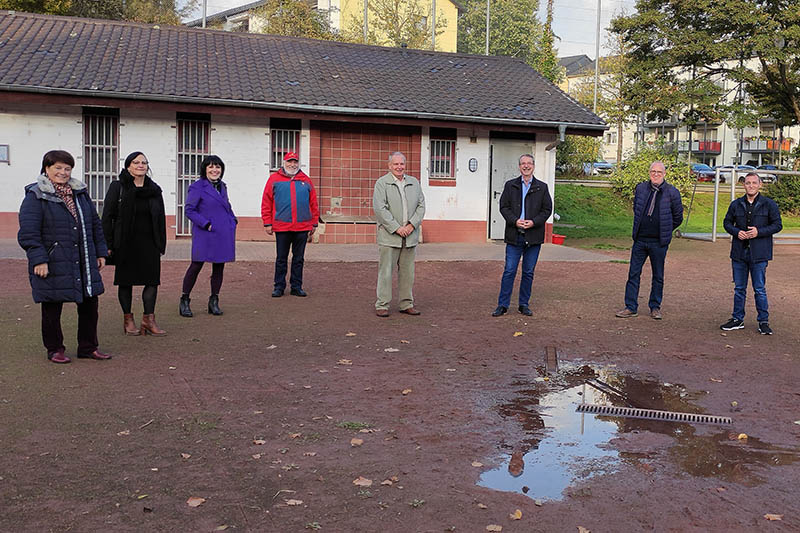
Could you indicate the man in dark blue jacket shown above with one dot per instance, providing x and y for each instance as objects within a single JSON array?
[
  {"x": 525, "y": 205},
  {"x": 657, "y": 211},
  {"x": 752, "y": 220}
]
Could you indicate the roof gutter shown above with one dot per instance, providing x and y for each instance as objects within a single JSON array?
[{"x": 306, "y": 107}]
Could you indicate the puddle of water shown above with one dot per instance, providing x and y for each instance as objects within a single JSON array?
[{"x": 562, "y": 447}]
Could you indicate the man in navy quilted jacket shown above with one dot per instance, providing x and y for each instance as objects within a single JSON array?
[{"x": 657, "y": 211}]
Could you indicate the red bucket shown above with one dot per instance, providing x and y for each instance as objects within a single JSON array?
[{"x": 558, "y": 239}]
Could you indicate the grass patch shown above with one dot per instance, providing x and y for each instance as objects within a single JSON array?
[
  {"x": 607, "y": 246},
  {"x": 353, "y": 425},
  {"x": 604, "y": 215},
  {"x": 623, "y": 261}
]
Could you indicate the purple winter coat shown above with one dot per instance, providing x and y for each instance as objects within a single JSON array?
[{"x": 205, "y": 205}]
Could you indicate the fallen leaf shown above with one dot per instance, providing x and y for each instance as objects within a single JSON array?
[
  {"x": 309, "y": 454},
  {"x": 173, "y": 367},
  {"x": 124, "y": 432},
  {"x": 387, "y": 482},
  {"x": 356, "y": 442},
  {"x": 259, "y": 442},
  {"x": 482, "y": 506},
  {"x": 391, "y": 350},
  {"x": 494, "y": 527},
  {"x": 154, "y": 469},
  {"x": 141, "y": 496},
  {"x": 518, "y": 334},
  {"x": 715, "y": 380},
  {"x": 361, "y": 481},
  {"x": 742, "y": 436},
  {"x": 186, "y": 455},
  {"x": 344, "y": 362},
  {"x": 295, "y": 435},
  {"x": 306, "y": 386},
  {"x": 449, "y": 369},
  {"x": 366, "y": 430},
  {"x": 538, "y": 503},
  {"x": 797, "y": 422},
  {"x": 582, "y": 529},
  {"x": 293, "y": 502},
  {"x": 406, "y": 392},
  {"x": 349, "y": 334},
  {"x": 223, "y": 527},
  {"x": 258, "y": 412},
  {"x": 476, "y": 464},
  {"x": 195, "y": 501},
  {"x": 257, "y": 455},
  {"x": 271, "y": 347},
  {"x": 516, "y": 515},
  {"x": 773, "y": 517},
  {"x": 721, "y": 489},
  {"x": 404, "y": 341}
]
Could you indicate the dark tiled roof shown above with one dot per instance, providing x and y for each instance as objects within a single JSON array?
[
  {"x": 576, "y": 64},
  {"x": 125, "y": 60}
]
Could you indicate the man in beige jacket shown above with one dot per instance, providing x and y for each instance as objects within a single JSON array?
[{"x": 399, "y": 208}]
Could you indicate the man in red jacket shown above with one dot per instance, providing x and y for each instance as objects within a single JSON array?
[{"x": 290, "y": 211}]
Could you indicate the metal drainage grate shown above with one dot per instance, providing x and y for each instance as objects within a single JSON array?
[{"x": 651, "y": 414}]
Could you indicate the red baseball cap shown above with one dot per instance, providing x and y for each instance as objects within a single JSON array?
[{"x": 291, "y": 155}]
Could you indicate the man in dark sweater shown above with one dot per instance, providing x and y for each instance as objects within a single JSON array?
[
  {"x": 752, "y": 220},
  {"x": 657, "y": 211}
]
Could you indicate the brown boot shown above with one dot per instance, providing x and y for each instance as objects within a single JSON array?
[
  {"x": 129, "y": 326},
  {"x": 149, "y": 326}
]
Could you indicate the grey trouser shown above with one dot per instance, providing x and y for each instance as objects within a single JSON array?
[{"x": 403, "y": 258}]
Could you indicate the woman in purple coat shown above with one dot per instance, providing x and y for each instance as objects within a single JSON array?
[{"x": 213, "y": 231}]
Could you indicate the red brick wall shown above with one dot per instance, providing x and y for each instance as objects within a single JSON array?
[{"x": 454, "y": 231}]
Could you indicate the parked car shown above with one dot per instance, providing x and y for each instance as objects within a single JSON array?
[
  {"x": 598, "y": 167},
  {"x": 702, "y": 172},
  {"x": 726, "y": 171},
  {"x": 767, "y": 177}
]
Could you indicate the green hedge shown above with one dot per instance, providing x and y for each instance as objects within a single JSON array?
[
  {"x": 786, "y": 192},
  {"x": 637, "y": 169}
]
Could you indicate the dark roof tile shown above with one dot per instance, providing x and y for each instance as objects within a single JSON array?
[{"x": 110, "y": 58}]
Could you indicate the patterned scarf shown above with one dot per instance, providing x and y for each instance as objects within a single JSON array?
[
  {"x": 655, "y": 189},
  {"x": 65, "y": 193}
]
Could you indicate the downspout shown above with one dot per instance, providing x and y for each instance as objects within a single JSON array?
[{"x": 562, "y": 134}]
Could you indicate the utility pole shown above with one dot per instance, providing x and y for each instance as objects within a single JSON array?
[
  {"x": 433, "y": 25},
  {"x": 487, "y": 27},
  {"x": 366, "y": 27},
  {"x": 597, "y": 57},
  {"x": 205, "y": 9}
]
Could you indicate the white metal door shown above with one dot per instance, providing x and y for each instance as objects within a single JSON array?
[{"x": 505, "y": 166}]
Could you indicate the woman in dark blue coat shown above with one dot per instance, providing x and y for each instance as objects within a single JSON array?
[
  {"x": 213, "y": 231},
  {"x": 62, "y": 235}
]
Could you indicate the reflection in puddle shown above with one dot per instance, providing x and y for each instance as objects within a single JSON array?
[{"x": 562, "y": 447}]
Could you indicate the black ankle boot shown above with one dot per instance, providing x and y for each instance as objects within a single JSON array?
[
  {"x": 184, "y": 308},
  {"x": 213, "y": 305}
]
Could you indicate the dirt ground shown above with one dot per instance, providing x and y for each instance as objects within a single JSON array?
[{"x": 254, "y": 411}]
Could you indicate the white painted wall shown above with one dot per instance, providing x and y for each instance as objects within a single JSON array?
[
  {"x": 29, "y": 134},
  {"x": 244, "y": 146},
  {"x": 469, "y": 199},
  {"x": 155, "y": 134}
]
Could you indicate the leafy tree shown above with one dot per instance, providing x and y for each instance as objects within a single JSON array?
[
  {"x": 150, "y": 11},
  {"x": 514, "y": 31},
  {"x": 612, "y": 87},
  {"x": 395, "y": 23},
  {"x": 636, "y": 169},
  {"x": 575, "y": 151},
  {"x": 786, "y": 192},
  {"x": 681, "y": 51},
  {"x": 295, "y": 18}
]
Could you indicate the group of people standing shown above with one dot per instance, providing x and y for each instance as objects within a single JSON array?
[{"x": 68, "y": 244}]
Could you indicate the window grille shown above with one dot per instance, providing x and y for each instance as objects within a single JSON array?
[
  {"x": 443, "y": 159},
  {"x": 283, "y": 142},
  {"x": 193, "y": 145},
  {"x": 100, "y": 152}
]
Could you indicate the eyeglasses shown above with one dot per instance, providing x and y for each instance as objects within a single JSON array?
[{"x": 139, "y": 163}]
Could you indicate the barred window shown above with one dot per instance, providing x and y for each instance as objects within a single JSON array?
[
  {"x": 194, "y": 136},
  {"x": 100, "y": 151},
  {"x": 285, "y": 136},
  {"x": 443, "y": 154}
]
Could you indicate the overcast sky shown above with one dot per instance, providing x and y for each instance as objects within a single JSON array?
[{"x": 574, "y": 21}]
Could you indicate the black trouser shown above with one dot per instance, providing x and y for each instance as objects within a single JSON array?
[
  {"x": 190, "y": 278},
  {"x": 283, "y": 241},
  {"x": 149, "y": 294},
  {"x": 53, "y": 337}
]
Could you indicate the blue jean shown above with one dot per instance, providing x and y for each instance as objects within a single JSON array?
[
  {"x": 758, "y": 274},
  {"x": 529, "y": 255},
  {"x": 283, "y": 241},
  {"x": 640, "y": 251}
]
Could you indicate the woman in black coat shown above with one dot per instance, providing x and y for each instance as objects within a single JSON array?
[
  {"x": 134, "y": 223},
  {"x": 61, "y": 234}
]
